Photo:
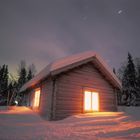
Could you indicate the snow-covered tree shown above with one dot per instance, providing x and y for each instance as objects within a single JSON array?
[
  {"x": 3, "y": 78},
  {"x": 10, "y": 84},
  {"x": 129, "y": 80},
  {"x": 31, "y": 72},
  {"x": 137, "y": 63},
  {"x": 25, "y": 74},
  {"x": 22, "y": 72},
  {"x": 121, "y": 70}
]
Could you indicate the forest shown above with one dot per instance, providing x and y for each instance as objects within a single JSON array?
[{"x": 10, "y": 84}]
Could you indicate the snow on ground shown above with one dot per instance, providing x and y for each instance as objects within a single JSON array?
[{"x": 21, "y": 123}]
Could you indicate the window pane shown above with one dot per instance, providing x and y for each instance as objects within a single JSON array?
[
  {"x": 37, "y": 98},
  {"x": 87, "y": 101},
  {"x": 95, "y": 101}
]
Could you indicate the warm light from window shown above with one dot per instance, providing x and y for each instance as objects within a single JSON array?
[
  {"x": 37, "y": 98},
  {"x": 95, "y": 101},
  {"x": 87, "y": 100},
  {"x": 91, "y": 101}
]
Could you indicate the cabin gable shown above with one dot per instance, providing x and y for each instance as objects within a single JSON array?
[{"x": 69, "y": 96}]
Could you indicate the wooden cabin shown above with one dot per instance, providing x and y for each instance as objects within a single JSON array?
[{"x": 75, "y": 84}]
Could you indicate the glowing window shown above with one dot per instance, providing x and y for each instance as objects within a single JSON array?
[
  {"x": 37, "y": 98},
  {"x": 91, "y": 101},
  {"x": 87, "y": 100}
]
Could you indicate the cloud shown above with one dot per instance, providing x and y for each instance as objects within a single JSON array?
[{"x": 41, "y": 31}]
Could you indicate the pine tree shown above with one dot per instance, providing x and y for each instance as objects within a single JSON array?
[
  {"x": 3, "y": 78},
  {"x": 129, "y": 80},
  {"x": 21, "y": 81},
  {"x": 138, "y": 80},
  {"x": 22, "y": 74},
  {"x": 29, "y": 76},
  {"x": 31, "y": 72},
  {"x": 0, "y": 79},
  {"x": 4, "y": 82},
  {"x": 22, "y": 77}
]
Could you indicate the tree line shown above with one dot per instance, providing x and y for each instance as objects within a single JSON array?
[
  {"x": 10, "y": 84},
  {"x": 128, "y": 73}
]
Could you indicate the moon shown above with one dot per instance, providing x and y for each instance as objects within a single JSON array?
[{"x": 120, "y": 11}]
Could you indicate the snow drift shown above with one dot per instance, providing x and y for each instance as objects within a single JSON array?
[{"x": 22, "y": 124}]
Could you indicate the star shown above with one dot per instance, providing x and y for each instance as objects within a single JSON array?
[{"x": 120, "y": 11}]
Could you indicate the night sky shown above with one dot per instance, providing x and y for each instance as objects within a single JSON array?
[{"x": 40, "y": 31}]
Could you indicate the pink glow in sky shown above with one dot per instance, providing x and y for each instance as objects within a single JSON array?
[{"x": 41, "y": 31}]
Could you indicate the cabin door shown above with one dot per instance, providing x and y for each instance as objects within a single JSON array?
[
  {"x": 91, "y": 101},
  {"x": 37, "y": 98}
]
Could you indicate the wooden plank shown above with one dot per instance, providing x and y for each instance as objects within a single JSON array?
[
  {"x": 79, "y": 86},
  {"x": 78, "y": 90},
  {"x": 82, "y": 71},
  {"x": 46, "y": 89},
  {"x": 62, "y": 112},
  {"x": 85, "y": 78},
  {"x": 76, "y": 99},
  {"x": 69, "y": 108}
]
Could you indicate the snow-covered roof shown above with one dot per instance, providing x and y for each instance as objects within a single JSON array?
[{"x": 70, "y": 62}]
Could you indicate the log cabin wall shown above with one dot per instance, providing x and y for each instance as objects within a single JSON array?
[
  {"x": 28, "y": 98},
  {"x": 45, "y": 99},
  {"x": 31, "y": 98},
  {"x": 70, "y": 86},
  {"x": 25, "y": 99},
  {"x": 44, "y": 108}
]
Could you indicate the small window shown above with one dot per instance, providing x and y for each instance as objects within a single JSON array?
[{"x": 37, "y": 98}]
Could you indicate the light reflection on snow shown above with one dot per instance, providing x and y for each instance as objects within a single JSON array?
[
  {"x": 97, "y": 114},
  {"x": 103, "y": 126}
]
